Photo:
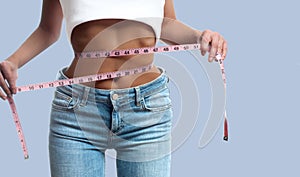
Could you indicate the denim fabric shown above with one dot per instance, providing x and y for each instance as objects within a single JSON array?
[{"x": 136, "y": 122}]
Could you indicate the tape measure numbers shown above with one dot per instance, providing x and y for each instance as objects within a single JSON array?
[
  {"x": 84, "y": 79},
  {"x": 104, "y": 76},
  {"x": 18, "y": 126},
  {"x": 137, "y": 51}
]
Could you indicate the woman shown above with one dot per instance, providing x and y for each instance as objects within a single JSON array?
[{"x": 130, "y": 114}]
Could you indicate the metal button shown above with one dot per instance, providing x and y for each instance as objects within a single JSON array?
[{"x": 115, "y": 96}]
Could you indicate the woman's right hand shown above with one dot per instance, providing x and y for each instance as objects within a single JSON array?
[{"x": 8, "y": 78}]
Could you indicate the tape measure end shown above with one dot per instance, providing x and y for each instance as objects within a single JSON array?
[
  {"x": 225, "y": 138},
  {"x": 26, "y": 157}
]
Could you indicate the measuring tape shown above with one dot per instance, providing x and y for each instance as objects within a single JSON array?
[{"x": 104, "y": 76}]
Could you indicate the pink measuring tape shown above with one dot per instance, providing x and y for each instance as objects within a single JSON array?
[{"x": 104, "y": 76}]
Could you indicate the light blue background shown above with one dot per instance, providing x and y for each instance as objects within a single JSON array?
[{"x": 263, "y": 66}]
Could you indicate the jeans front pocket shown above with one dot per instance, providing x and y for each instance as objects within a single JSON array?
[
  {"x": 63, "y": 101},
  {"x": 157, "y": 101}
]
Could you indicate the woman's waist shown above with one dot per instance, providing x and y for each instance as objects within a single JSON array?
[{"x": 85, "y": 67}]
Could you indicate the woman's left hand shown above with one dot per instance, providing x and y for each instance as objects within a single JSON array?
[{"x": 213, "y": 43}]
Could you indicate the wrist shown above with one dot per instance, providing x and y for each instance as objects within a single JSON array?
[
  {"x": 14, "y": 61},
  {"x": 198, "y": 36}
]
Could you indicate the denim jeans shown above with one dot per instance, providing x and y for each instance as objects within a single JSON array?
[{"x": 135, "y": 122}]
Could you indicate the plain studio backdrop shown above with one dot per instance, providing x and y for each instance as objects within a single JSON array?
[{"x": 262, "y": 66}]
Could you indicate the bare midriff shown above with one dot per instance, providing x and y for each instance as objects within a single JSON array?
[{"x": 112, "y": 34}]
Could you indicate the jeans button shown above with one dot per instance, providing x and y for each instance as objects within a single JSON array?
[{"x": 115, "y": 96}]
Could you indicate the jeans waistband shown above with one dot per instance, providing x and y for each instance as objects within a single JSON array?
[{"x": 137, "y": 92}]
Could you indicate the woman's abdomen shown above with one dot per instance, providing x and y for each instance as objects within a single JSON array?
[{"x": 112, "y": 34}]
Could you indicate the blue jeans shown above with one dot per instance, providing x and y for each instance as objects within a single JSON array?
[{"x": 136, "y": 122}]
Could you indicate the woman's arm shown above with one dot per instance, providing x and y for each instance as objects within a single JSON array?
[
  {"x": 46, "y": 34},
  {"x": 175, "y": 32}
]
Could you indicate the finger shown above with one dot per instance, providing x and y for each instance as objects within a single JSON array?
[
  {"x": 220, "y": 46},
  {"x": 225, "y": 49},
  {"x": 214, "y": 47},
  {"x": 12, "y": 83},
  {"x": 2, "y": 96},
  {"x": 205, "y": 42},
  {"x": 4, "y": 86},
  {"x": 12, "y": 86}
]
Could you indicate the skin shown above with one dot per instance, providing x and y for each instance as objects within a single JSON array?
[{"x": 106, "y": 34}]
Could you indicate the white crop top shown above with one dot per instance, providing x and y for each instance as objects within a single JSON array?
[{"x": 150, "y": 12}]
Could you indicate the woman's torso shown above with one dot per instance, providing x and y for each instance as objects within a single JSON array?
[{"x": 112, "y": 34}]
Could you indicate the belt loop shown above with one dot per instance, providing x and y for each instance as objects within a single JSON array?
[
  {"x": 85, "y": 96},
  {"x": 138, "y": 97}
]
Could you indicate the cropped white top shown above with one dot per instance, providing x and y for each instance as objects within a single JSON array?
[{"x": 79, "y": 11}]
